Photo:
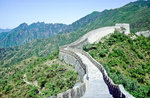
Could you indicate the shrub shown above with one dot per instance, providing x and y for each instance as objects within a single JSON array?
[
  {"x": 102, "y": 52},
  {"x": 32, "y": 93},
  {"x": 19, "y": 82},
  {"x": 42, "y": 81},
  {"x": 112, "y": 62},
  {"x": 119, "y": 52},
  {"x": 7, "y": 89},
  {"x": 112, "y": 54}
]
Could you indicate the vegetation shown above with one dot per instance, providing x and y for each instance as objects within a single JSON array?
[
  {"x": 37, "y": 77},
  {"x": 126, "y": 60},
  {"x": 135, "y": 13},
  {"x": 26, "y": 33},
  {"x": 42, "y": 47}
]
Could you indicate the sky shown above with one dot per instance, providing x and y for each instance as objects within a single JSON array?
[{"x": 15, "y": 12}]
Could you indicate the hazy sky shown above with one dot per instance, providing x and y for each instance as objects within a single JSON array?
[{"x": 15, "y": 12}]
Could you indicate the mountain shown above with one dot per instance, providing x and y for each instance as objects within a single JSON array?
[
  {"x": 4, "y": 30},
  {"x": 135, "y": 13},
  {"x": 84, "y": 21},
  {"x": 26, "y": 33},
  {"x": 128, "y": 62}
]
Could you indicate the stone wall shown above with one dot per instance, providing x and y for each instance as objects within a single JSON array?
[
  {"x": 71, "y": 58},
  {"x": 124, "y": 25},
  {"x": 97, "y": 34},
  {"x": 79, "y": 45},
  {"x": 144, "y": 33},
  {"x": 75, "y": 92},
  {"x": 68, "y": 54},
  {"x": 117, "y": 91}
]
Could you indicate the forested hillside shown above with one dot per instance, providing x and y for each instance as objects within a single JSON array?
[
  {"x": 37, "y": 78},
  {"x": 126, "y": 60},
  {"x": 135, "y": 13},
  {"x": 43, "y": 47},
  {"x": 26, "y": 33}
]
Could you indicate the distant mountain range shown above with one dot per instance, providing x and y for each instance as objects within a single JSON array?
[
  {"x": 135, "y": 13},
  {"x": 26, "y": 33},
  {"x": 4, "y": 30}
]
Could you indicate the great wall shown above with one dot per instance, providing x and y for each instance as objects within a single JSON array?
[{"x": 95, "y": 81}]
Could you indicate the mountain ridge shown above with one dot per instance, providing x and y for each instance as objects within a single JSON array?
[
  {"x": 43, "y": 47},
  {"x": 138, "y": 9},
  {"x": 25, "y": 33}
]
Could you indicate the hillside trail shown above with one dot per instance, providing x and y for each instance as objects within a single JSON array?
[{"x": 31, "y": 83}]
